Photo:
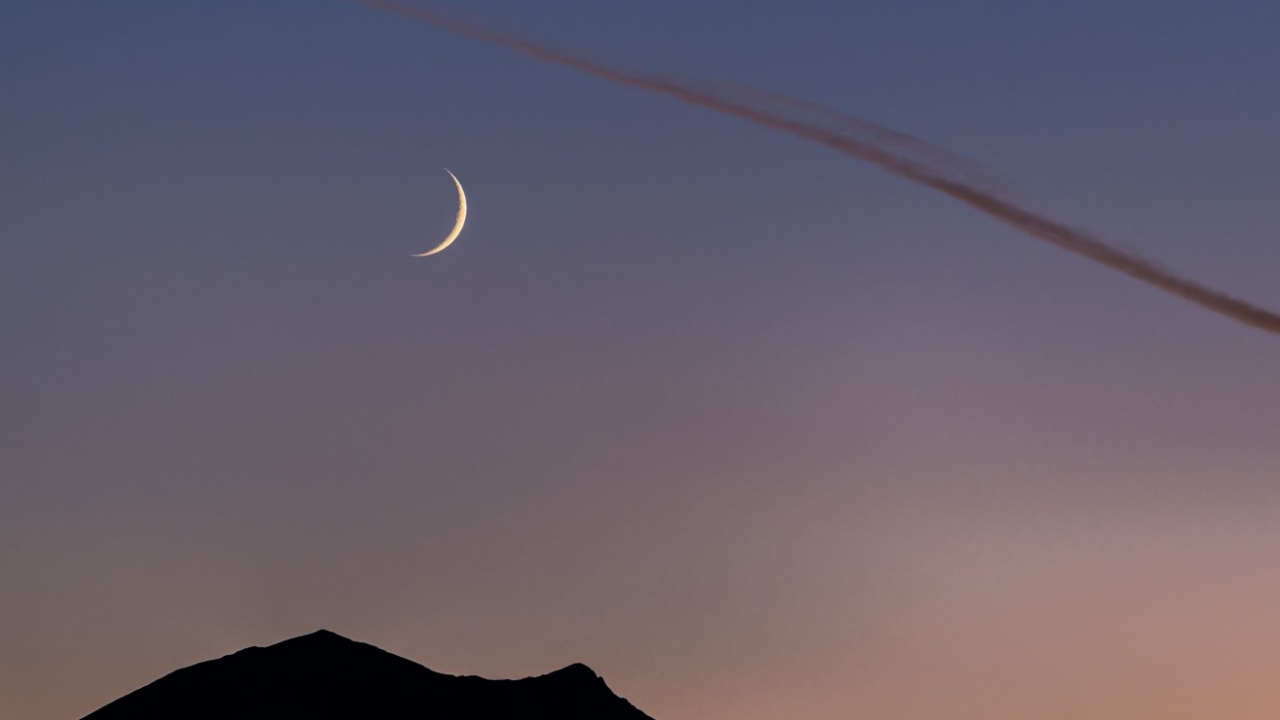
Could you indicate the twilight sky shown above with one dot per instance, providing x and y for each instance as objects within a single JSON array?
[{"x": 751, "y": 428}]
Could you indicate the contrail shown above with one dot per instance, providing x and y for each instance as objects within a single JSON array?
[{"x": 896, "y": 152}]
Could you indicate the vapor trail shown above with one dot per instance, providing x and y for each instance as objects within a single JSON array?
[{"x": 873, "y": 143}]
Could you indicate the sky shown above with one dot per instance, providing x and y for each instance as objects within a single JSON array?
[{"x": 751, "y": 428}]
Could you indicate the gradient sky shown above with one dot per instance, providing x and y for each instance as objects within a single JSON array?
[{"x": 754, "y": 430}]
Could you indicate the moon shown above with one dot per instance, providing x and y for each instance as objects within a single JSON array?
[{"x": 457, "y": 223}]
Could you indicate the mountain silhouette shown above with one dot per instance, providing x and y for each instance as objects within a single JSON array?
[{"x": 324, "y": 675}]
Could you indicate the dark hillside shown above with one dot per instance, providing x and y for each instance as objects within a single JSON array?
[{"x": 324, "y": 675}]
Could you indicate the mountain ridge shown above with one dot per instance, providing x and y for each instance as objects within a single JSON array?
[{"x": 324, "y": 675}]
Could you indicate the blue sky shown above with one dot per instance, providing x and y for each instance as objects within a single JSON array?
[{"x": 683, "y": 386}]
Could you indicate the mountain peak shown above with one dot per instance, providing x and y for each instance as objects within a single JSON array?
[
  {"x": 324, "y": 675},
  {"x": 320, "y": 638},
  {"x": 577, "y": 670},
  {"x": 324, "y": 634}
]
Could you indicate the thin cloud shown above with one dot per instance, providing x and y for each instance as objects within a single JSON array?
[{"x": 900, "y": 154}]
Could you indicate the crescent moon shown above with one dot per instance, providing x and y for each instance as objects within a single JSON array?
[{"x": 457, "y": 223}]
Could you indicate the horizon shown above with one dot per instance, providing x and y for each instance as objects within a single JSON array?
[
  {"x": 323, "y": 674},
  {"x": 325, "y": 633}
]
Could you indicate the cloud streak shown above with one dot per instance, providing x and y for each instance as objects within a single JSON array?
[{"x": 898, "y": 153}]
